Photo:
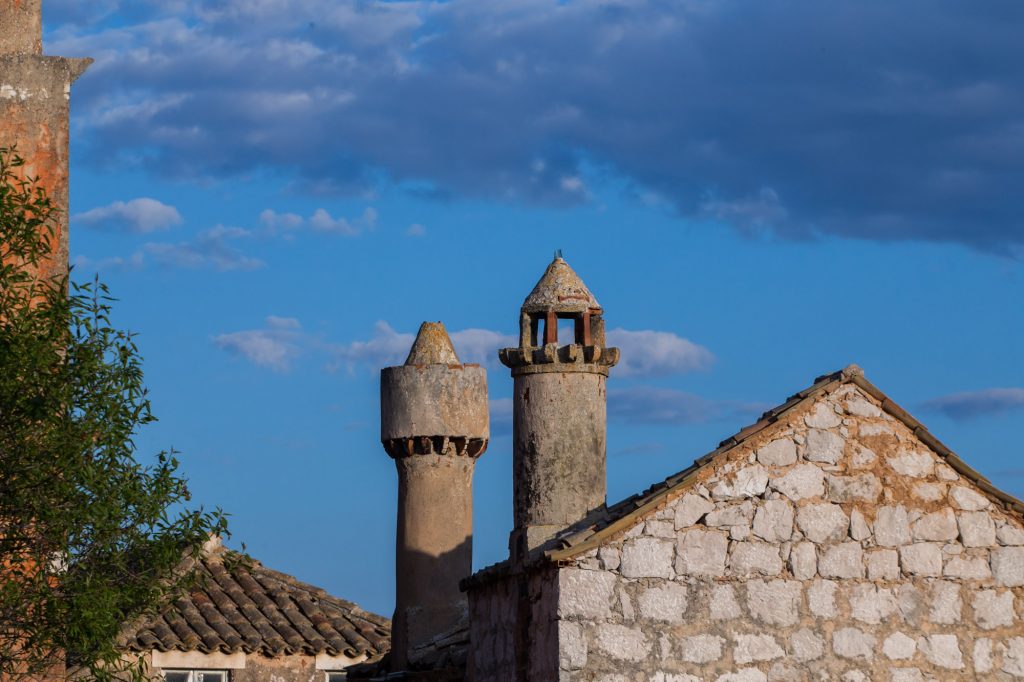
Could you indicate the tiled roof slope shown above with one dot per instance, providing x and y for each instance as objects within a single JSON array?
[
  {"x": 246, "y": 607},
  {"x": 622, "y": 516}
]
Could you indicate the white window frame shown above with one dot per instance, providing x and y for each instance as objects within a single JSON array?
[{"x": 193, "y": 675}]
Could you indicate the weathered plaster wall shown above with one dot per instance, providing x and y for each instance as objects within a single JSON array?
[{"x": 835, "y": 546}]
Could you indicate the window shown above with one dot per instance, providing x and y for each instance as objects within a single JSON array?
[
  {"x": 337, "y": 677},
  {"x": 196, "y": 676}
]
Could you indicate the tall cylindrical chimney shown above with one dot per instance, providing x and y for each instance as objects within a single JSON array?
[
  {"x": 434, "y": 423},
  {"x": 559, "y": 409},
  {"x": 35, "y": 94}
]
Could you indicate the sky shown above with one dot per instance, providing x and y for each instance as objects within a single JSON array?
[{"x": 280, "y": 191}]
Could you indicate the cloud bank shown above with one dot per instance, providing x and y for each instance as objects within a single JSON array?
[
  {"x": 974, "y": 404},
  {"x": 901, "y": 120}
]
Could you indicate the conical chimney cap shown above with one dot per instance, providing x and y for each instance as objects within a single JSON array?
[
  {"x": 560, "y": 290},
  {"x": 432, "y": 347}
]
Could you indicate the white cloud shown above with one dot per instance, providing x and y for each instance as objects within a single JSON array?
[
  {"x": 653, "y": 353},
  {"x": 480, "y": 346},
  {"x": 416, "y": 230},
  {"x": 275, "y": 222},
  {"x": 386, "y": 347},
  {"x": 321, "y": 221},
  {"x": 973, "y": 404},
  {"x": 274, "y": 346},
  {"x": 140, "y": 215},
  {"x": 212, "y": 248}
]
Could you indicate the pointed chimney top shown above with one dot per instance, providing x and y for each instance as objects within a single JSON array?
[
  {"x": 432, "y": 347},
  {"x": 560, "y": 290}
]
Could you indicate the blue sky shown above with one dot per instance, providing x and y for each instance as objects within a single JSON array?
[{"x": 280, "y": 191}]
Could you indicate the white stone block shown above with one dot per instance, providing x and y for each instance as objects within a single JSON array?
[
  {"x": 1008, "y": 534},
  {"x": 942, "y": 650},
  {"x": 647, "y": 557},
  {"x": 572, "y": 646},
  {"x": 944, "y": 472},
  {"x": 906, "y": 675},
  {"x": 946, "y": 605},
  {"x": 823, "y": 416},
  {"x": 824, "y": 446},
  {"x": 967, "y": 568},
  {"x": 690, "y": 509},
  {"x": 660, "y": 529},
  {"x": 701, "y": 553},
  {"x": 913, "y": 464},
  {"x": 993, "y": 609},
  {"x": 773, "y": 521},
  {"x": 749, "y": 481},
  {"x": 750, "y": 558},
  {"x": 872, "y": 604},
  {"x": 883, "y": 564},
  {"x": 622, "y": 643},
  {"x": 806, "y": 645},
  {"x": 756, "y": 648},
  {"x": 860, "y": 529},
  {"x": 845, "y": 560},
  {"x": 928, "y": 492},
  {"x": 922, "y": 559},
  {"x": 854, "y": 644},
  {"x": 977, "y": 529},
  {"x": 585, "y": 594},
  {"x": 723, "y": 603},
  {"x": 803, "y": 560},
  {"x": 967, "y": 499},
  {"x": 609, "y": 557},
  {"x": 665, "y": 602},
  {"x": 801, "y": 482},
  {"x": 892, "y": 526},
  {"x": 775, "y": 602},
  {"x": 938, "y": 526},
  {"x": 821, "y": 598},
  {"x": 1013, "y": 659},
  {"x": 778, "y": 453},
  {"x": 982, "y": 655},
  {"x": 899, "y": 647},
  {"x": 862, "y": 457},
  {"x": 1008, "y": 566},
  {"x": 912, "y": 604},
  {"x": 730, "y": 515},
  {"x": 823, "y": 522},
  {"x": 702, "y": 648},
  {"x": 863, "y": 487}
]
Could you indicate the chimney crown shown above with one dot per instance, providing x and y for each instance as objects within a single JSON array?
[{"x": 433, "y": 346}]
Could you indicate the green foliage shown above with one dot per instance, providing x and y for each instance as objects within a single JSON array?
[{"x": 90, "y": 538}]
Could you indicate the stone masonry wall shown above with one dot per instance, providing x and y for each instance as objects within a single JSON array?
[{"x": 832, "y": 546}]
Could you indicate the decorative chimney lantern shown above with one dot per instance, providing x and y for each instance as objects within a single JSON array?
[{"x": 559, "y": 409}]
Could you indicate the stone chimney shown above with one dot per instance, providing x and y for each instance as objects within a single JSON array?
[
  {"x": 434, "y": 423},
  {"x": 559, "y": 409},
  {"x": 35, "y": 93}
]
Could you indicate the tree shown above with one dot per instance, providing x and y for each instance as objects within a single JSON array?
[{"x": 90, "y": 537}]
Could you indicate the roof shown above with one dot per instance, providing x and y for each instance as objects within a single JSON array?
[
  {"x": 242, "y": 606},
  {"x": 560, "y": 290},
  {"x": 622, "y": 516},
  {"x": 432, "y": 346}
]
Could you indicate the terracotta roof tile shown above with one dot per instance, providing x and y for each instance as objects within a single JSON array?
[{"x": 245, "y": 607}]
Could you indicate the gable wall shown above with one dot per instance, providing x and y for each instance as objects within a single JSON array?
[{"x": 832, "y": 546}]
